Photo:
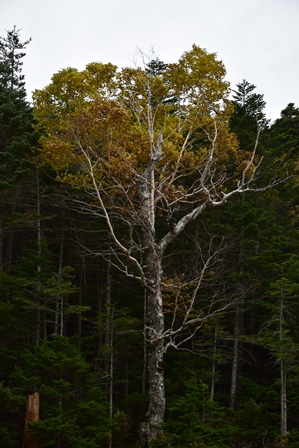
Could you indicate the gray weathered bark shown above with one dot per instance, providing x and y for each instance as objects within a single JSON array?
[{"x": 155, "y": 329}]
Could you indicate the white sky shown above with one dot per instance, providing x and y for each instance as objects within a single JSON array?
[{"x": 256, "y": 39}]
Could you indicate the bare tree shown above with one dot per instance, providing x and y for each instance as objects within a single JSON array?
[{"x": 150, "y": 152}]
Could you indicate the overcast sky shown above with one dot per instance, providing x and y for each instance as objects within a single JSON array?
[{"x": 256, "y": 39}]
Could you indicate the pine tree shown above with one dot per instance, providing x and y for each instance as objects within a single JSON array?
[
  {"x": 15, "y": 111},
  {"x": 249, "y": 116}
]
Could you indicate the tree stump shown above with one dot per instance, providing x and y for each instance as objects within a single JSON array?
[{"x": 32, "y": 415}]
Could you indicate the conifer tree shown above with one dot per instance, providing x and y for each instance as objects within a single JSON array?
[{"x": 15, "y": 111}]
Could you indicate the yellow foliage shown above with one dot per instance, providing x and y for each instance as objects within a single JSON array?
[{"x": 107, "y": 123}]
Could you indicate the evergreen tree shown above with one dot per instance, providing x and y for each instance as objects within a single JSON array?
[
  {"x": 248, "y": 118},
  {"x": 15, "y": 112}
]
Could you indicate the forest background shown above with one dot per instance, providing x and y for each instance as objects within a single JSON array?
[{"x": 83, "y": 224}]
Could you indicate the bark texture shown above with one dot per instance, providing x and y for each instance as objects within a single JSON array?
[
  {"x": 155, "y": 329},
  {"x": 32, "y": 415}
]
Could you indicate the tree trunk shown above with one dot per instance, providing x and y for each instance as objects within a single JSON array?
[
  {"x": 109, "y": 342},
  {"x": 283, "y": 400},
  {"x": 239, "y": 315},
  {"x": 151, "y": 428},
  {"x": 39, "y": 253},
  {"x": 238, "y": 326},
  {"x": 214, "y": 362},
  {"x": 283, "y": 376},
  {"x": 143, "y": 383},
  {"x": 60, "y": 298},
  {"x": 32, "y": 415},
  {"x": 82, "y": 292}
]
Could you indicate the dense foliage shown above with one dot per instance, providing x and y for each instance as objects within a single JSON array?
[{"x": 72, "y": 316}]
